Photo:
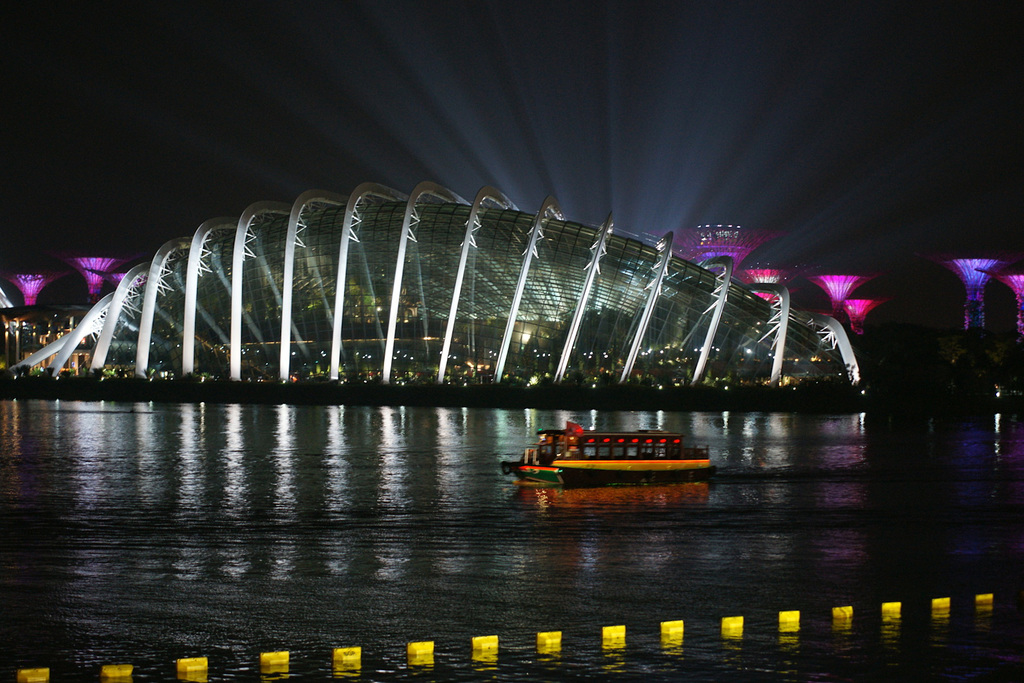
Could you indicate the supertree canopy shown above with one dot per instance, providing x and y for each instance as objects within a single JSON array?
[
  {"x": 707, "y": 241},
  {"x": 93, "y": 269},
  {"x": 766, "y": 275},
  {"x": 30, "y": 284},
  {"x": 974, "y": 273},
  {"x": 857, "y": 310},
  {"x": 1013, "y": 277},
  {"x": 839, "y": 287},
  {"x": 771, "y": 275}
]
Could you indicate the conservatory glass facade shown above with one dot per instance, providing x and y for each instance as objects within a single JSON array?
[{"x": 515, "y": 290}]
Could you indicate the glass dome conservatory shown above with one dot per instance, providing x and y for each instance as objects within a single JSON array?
[{"x": 380, "y": 286}]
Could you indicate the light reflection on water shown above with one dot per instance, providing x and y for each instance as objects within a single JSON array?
[{"x": 150, "y": 532}]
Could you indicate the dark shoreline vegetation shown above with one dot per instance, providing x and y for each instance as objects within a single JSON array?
[
  {"x": 808, "y": 397},
  {"x": 905, "y": 370}
]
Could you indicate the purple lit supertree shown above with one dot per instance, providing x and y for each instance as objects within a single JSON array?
[
  {"x": 839, "y": 287},
  {"x": 93, "y": 269},
  {"x": 974, "y": 273},
  {"x": 857, "y": 310},
  {"x": 708, "y": 241},
  {"x": 1013, "y": 277},
  {"x": 761, "y": 275},
  {"x": 30, "y": 284}
]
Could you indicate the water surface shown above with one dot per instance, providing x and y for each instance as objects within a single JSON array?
[{"x": 145, "y": 532}]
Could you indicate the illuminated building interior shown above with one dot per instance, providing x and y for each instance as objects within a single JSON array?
[{"x": 29, "y": 329}]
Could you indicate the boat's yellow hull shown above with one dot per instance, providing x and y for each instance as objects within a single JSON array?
[{"x": 573, "y": 473}]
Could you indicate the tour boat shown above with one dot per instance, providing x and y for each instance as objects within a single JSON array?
[{"x": 574, "y": 457}]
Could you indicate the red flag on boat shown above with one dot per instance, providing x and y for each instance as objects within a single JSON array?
[{"x": 573, "y": 429}]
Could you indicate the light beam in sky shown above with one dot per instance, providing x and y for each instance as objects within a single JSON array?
[{"x": 862, "y": 132}]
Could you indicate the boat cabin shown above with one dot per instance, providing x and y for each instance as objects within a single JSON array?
[{"x": 559, "y": 444}]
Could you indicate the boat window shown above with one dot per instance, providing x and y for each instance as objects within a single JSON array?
[
  {"x": 589, "y": 451},
  {"x": 618, "y": 452},
  {"x": 631, "y": 451},
  {"x": 659, "y": 450}
]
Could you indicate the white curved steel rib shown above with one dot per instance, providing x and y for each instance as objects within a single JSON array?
[
  {"x": 81, "y": 331},
  {"x": 99, "y": 352},
  {"x": 154, "y": 282},
  {"x": 291, "y": 240},
  {"x": 581, "y": 305},
  {"x": 499, "y": 201},
  {"x": 362, "y": 193},
  {"x": 723, "y": 295},
  {"x": 84, "y": 329},
  {"x": 779, "y": 347},
  {"x": 665, "y": 247},
  {"x": 5, "y": 301},
  {"x": 237, "y": 258},
  {"x": 549, "y": 209},
  {"x": 192, "y": 272},
  {"x": 425, "y": 188},
  {"x": 841, "y": 340}
]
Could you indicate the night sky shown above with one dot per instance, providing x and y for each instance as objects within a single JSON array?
[{"x": 867, "y": 132}]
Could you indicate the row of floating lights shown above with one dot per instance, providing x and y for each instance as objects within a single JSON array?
[{"x": 485, "y": 648}]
